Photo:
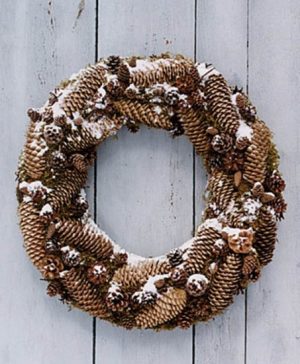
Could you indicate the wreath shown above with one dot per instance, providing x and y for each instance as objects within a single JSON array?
[{"x": 236, "y": 238}]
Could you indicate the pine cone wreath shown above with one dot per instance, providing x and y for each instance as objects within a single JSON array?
[{"x": 244, "y": 194}]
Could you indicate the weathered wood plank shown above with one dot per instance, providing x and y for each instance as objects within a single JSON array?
[
  {"x": 41, "y": 43},
  {"x": 145, "y": 180},
  {"x": 222, "y": 41},
  {"x": 273, "y": 303}
]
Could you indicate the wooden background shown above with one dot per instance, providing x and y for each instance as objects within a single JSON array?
[{"x": 146, "y": 188}]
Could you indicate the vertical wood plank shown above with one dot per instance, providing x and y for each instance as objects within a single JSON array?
[
  {"x": 145, "y": 181},
  {"x": 42, "y": 42},
  {"x": 222, "y": 41},
  {"x": 274, "y": 59}
]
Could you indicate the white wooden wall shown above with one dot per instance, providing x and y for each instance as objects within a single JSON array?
[{"x": 146, "y": 188}]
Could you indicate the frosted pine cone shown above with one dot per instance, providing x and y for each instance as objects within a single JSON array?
[
  {"x": 51, "y": 266},
  {"x": 279, "y": 205},
  {"x": 221, "y": 143},
  {"x": 124, "y": 74},
  {"x": 55, "y": 288},
  {"x": 97, "y": 273},
  {"x": 116, "y": 300},
  {"x": 144, "y": 298},
  {"x": 113, "y": 64},
  {"x": 178, "y": 276},
  {"x": 175, "y": 257},
  {"x": 71, "y": 257},
  {"x": 275, "y": 182},
  {"x": 58, "y": 160}
]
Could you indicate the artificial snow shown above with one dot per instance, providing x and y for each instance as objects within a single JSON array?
[
  {"x": 46, "y": 210},
  {"x": 244, "y": 131}
]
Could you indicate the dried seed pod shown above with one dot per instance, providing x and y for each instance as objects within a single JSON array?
[{"x": 196, "y": 285}]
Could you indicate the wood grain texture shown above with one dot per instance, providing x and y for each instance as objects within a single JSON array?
[
  {"x": 41, "y": 43},
  {"x": 273, "y": 334},
  {"x": 145, "y": 180},
  {"x": 222, "y": 41}
]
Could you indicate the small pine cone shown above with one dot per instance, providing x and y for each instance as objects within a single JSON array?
[
  {"x": 257, "y": 153},
  {"x": 70, "y": 256},
  {"x": 178, "y": 276},
  {"x": 55, "y": 288},
  {"x": 116, "y": 299},
  {"x": 131, "y": 92},
  {"x": 120, "y": 258},
  {"x": 134, "y": 276},
  {"x": 265, "y": 237},
  {"x": 47, "y": 115},
  {"x": 221, "y": 143},
  {"x": 249, "y": 113},
  {"x": 113, "y": 63},
  {"x": 84, "y": 294},
  {"x": 124, "y": 74},
  {"x": 132, "y": 126},
  {"x": 34, "y": 115},
  {"x": 242, "y": 143},
  {"x": 171, "y": 97},
  {"x": 58, "y": 160},
  {"x": 196, "y": 285},
  {"x": 250, "y": 265},
  {"x": 279, "y": 205},
  {"x": 52, "y": 246},
  {"x": 168, "y": 306},
  {"x": 241, "y": 100},
  {"x": 233, "y": 161},
  {"x": 214, "y": 161},
  {"x": 51, "y": 266},
  {"x": 78, "y": 207},
  {"x": 97, "y": 273},
  {"x": 185, "y": 320},
  {"x": 115, "y": 88},
  {"x": 275, "y": 183},
  {"x": 225, "y": 283},
  {"x": 78, "y": 161},
  {"x": 220, "y": 105},
  {"x": 53, "y": 134},
  {"x": 85, "y": 238},
  {"x": 175, "y": 257},
  {"x": 195, "y": 125},
  {"x": 144, "y": 298},
  {"x": 132, "y": 61},
  {"x": 161, "y": 285}
]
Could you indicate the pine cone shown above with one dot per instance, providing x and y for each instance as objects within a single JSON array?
[
  {"x": 218, "y": 96},
  {"x": 221, "y": 143},
  {"x": 167, "y": 307},
  {"x": 135, "y": 276},
  {"x": 33, "y": 231},
  {"x": 113, "y": 63},
  {"x": 33, "y": 154},
  {"x": 201, "y": 250},
  {"x": 84, "y": 238},
  {"x": 175, "y": 257},
  {"x": 53, "y": 134},
  {"x": 233, "y": 161},
  {"x": 256, "y": 154},
  {"x": 143, "y": 113},
  {"x": 196, "y": 285},
  {"x": 116, "y": 299},
  {"x": 144, "y": 298},
  {"x": 84, "y": 88},
  {"x": 97, "y": 273},
  {"x": 279, "y": 205},
  {"x": 120, "y": 258},
  {"x": 265, "y": 237},
  {"x": 250, "y": 265},
  {"x": 178, "y": 276},
  {"x": 78, "y": 161},
  {"x": 160, "y": 71},
  {"x": 78, "y": 207},
  {"x": 124, "y": 74},
  {"x": 52, "y": 246},
  {"x": 58, "y": 160},
  {"x": 34, "y": 115},
  {"x": 71, "y": 183},
  {"x": 242, "y": 143},
  {"x": 70, "y": 256},
  {"x": 225, "y": 283},
  {"x": 195, "y": 126},
  {"x": 221, "y": 188},
  {"x": 275, "y": 183},
  {"x": 55, "y": 288},
  {"x": 84, "y": 294},
  {"x": 51, "y": 266}
]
